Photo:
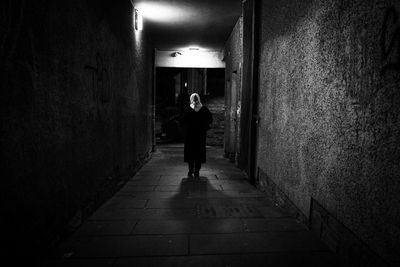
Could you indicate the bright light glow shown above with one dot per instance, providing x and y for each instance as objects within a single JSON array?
[
  {"x": 195, "y": 57},
  {"x": 195, "y": 47},
  {"x": 190, "y": 59},
  {"x": 165, "y": 12},
  {"x": 138, "y": 20}
]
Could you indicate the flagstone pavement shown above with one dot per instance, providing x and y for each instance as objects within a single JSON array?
[{"x": 161, "y": 217}]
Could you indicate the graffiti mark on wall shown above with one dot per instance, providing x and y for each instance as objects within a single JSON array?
[
  {"x": 390, "y": 40},
  {"x": 100, "y": 80},
  {"x": 100, "y": 84}
]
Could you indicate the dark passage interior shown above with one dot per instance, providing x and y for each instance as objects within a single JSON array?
[
  {"x": 302, "y": 156},
  {"x": 173, "y": 89}
]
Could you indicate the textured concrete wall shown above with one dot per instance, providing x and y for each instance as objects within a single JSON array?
[
  {"x": 76, "y": 110},
  {"x": 233, "y": 89},
  {"x": 330, "y": 107}
]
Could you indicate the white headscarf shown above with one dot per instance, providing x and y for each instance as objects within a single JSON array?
[{"x": 195, "y": 102}]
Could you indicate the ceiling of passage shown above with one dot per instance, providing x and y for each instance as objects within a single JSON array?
[{"x": 180, "y": 24}]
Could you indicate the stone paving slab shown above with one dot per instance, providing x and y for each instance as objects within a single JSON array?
[
  {"x": 106, "y": 228},
  {"x": 80, "y": 263},
  {"x": 272, "y": 212},
  {"x": 115, "y": 215},
  {"x": 194, "y": 226},
  {"x": 143, "y": 182},
  {"x": 171, "y": 204},
  {"x": 220, "y": 225},
  {"x": 124, "y": 203},
  {"x": 137, "y": 214},
  {"x": 224, "y": 194},
  {"x": 168, "y": 188},
  {"x": 227, "y": 210},
  {"x": 269, "y": 225},
  {"x": 229, "y": 176},
  {"x": 254, "y": 201},
  {"x": 127, "y": 246},
  {"x": 302, "y": 259},
  {"x": 228, "y": 182},
  {"x": 194, "y": 187},
  {"x": 238, "y": 187},
  {"x": 139, "y": 188},
  {"x": 152, "y": 195},
  {"x": 255, "y": 242},
  {"x": 161, "y": 227},
  {"x": 162, "y": 218}
]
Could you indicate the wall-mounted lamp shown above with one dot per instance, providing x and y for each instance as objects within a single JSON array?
[{"x": 138, "y": 20}]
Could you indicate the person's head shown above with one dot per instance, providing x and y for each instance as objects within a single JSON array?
[{"x": 195, "y": 98}]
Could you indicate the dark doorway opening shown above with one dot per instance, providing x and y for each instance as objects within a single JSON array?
[{"x": 173, "y": 89}]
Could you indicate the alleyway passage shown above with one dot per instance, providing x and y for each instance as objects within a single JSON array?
[{"x": 163, "y": 218}]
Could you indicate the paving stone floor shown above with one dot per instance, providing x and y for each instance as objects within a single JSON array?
[{"x": 163, "y": 218}]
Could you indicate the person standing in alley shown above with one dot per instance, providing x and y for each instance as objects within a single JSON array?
[{"x": 196, "y": 121}]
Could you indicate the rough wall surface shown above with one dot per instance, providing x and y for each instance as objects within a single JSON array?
[
  {"x": 76, "y": 97},
  {"x": 329, "y": 107},
  {"x": 233, "y": 88}
]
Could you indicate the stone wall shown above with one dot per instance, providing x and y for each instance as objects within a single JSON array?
[
  {"x": 329, "y": 107},
  {"x": 76, "y": 112},
  {"x": 233, "y": 89}
]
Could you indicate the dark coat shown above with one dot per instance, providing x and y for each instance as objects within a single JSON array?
[{"x": 195, "y": 126}]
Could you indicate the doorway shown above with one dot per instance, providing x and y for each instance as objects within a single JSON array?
[{"x": 173, "y": 89}]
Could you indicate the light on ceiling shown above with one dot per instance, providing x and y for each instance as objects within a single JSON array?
[
  {"x": 167, "y": 13},
  {"x": 138, "y": 20}
]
